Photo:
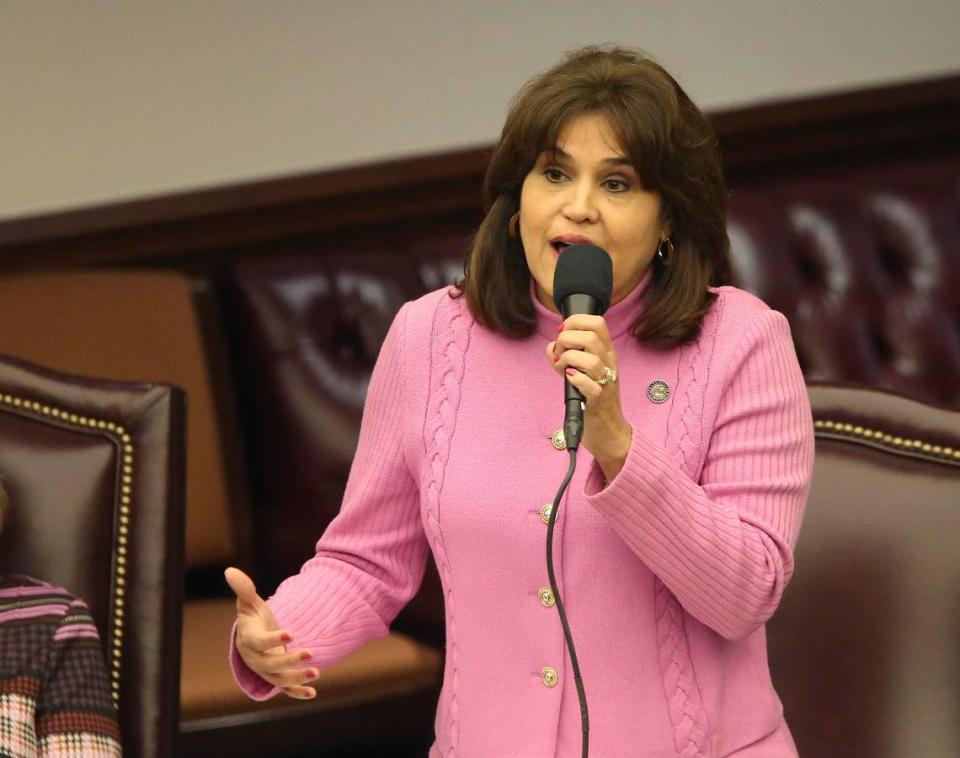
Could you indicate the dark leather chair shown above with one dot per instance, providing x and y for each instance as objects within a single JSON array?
[
  {"x": 95, "y": 473},
  {"x": 865, "y": 648},
  {"x": 62, "y": 319}
]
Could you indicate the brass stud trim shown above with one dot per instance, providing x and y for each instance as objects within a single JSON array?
[
  {"x": 122, "y": 439},
  {"x": 877, "y": 438}
]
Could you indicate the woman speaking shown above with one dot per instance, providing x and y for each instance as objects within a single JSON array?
[{"x": 673, "y": 542}]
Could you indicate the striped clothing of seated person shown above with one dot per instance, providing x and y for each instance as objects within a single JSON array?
[{"x": 54, "y": 695}]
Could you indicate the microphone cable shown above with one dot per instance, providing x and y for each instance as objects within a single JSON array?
[{"x": 575, "y": 664}]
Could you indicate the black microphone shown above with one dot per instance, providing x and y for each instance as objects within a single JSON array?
[{"x": 582, "y": 283}]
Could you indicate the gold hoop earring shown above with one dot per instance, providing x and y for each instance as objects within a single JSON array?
[
  {"x": 665, "y": 257},
  {"x": 513, "y": 226}
]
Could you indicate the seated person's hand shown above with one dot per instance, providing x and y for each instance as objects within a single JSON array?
[{"x": 262, "y": 646}]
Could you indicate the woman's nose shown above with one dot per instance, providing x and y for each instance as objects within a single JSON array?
[{"x": 580, "y": 206}]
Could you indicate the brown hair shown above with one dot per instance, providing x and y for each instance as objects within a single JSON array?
[{"x": 674, "y": 150}]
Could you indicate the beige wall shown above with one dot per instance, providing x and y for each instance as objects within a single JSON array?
[{"x": 103, "y": 100}]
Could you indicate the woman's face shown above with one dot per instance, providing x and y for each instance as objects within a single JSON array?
[{"x": 588, "y": 192}]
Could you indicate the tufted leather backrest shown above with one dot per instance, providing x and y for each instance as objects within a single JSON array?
[
  {"x": 311, "y": 327},
  {"x": 95, "y": 473},
  {"x": 866, "y": 267}
]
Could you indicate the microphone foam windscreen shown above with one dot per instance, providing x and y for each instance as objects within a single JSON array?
[{"x": 586, "y": 270}]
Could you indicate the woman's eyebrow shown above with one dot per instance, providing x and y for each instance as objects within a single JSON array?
[{"x": 619, "y": 160}]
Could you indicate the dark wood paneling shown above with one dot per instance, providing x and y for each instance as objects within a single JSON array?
[
  {"x": 879, "y": 125},
  {"x": 171, "y": 228},
  {"x": 874, "y": 125}
]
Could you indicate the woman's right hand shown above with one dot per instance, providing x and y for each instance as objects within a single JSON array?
[{"x": 262, "y": 646}]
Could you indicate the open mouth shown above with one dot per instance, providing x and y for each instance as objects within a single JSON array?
[{"x": 562, "y": 241}]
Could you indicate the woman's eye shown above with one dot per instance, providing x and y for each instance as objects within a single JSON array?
[
  {"x": 553, "y": 175},
  {"x": 617, "y": 185}
]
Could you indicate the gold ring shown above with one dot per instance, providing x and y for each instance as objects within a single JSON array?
[{"x": 609, "y": 375}]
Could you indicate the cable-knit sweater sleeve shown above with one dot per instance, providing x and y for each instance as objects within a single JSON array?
[
  {"x": 723, "y": 545},
  {"x": 371, "y": 558}
]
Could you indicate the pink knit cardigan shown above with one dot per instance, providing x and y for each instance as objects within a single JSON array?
[{"x": 668, "y": 573}]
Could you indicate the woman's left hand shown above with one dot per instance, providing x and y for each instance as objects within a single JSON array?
[{"x": 584, "y": 350}]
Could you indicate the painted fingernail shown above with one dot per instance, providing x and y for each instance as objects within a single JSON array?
[
  {"x": 559, "y": 327},
  {"x": 305, "y": 656},
  {"x": 285, "y": 637},
  {"x": 570, "y": 371},
  {"x": 311, "y": 675}
]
